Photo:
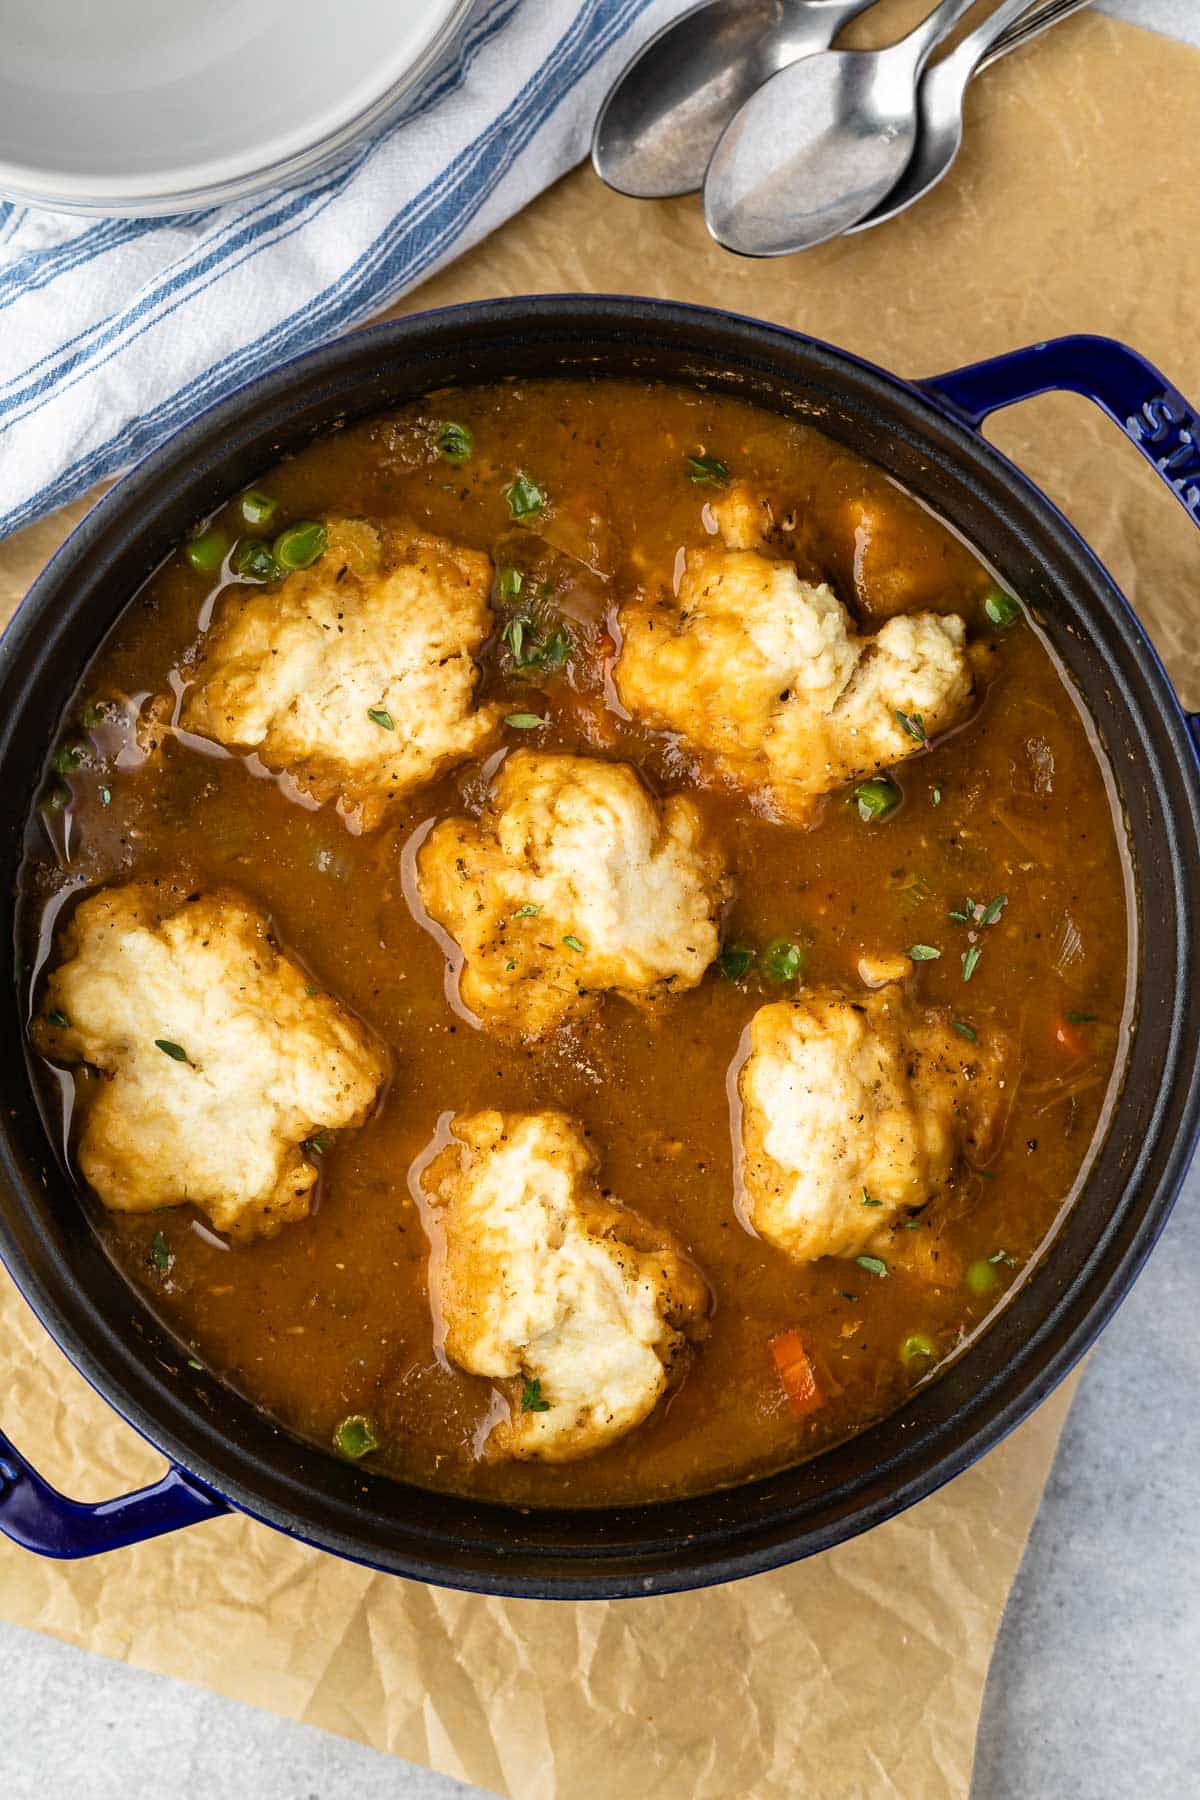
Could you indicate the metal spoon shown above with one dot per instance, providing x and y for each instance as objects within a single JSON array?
[
  {"x": 664, "y": 113},
  {"x": 941, "y": 95},
  {"x": 820, "y": 144}
]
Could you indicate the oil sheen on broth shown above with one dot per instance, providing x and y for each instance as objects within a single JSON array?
[{"x": 331, "y": 1318}]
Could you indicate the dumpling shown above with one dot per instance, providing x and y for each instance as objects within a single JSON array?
[
  {"x": 582, "y": 1306},
  {"x": 854, "y": 1114},
  {"x": 221, "y": 1059},
  {"x": 356, "y": 676},
  {"x": 573, "y": 881},
  {"x": 764, "y": 674}
]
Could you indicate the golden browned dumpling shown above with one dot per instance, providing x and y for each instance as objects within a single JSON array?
[
  {"x": 765, "y": 675},
  {"x": 574, "y": 881},
  {"x": 220, "y": 1057},
  {"x": 854, "y": 1114},
  {"x": 355, "y": 676},
  {"x": 581, "y": 1305}
]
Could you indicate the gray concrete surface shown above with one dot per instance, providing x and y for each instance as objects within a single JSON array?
[
  {"x": 1092, "y": 1693},
  {"x": 1092, "y": 1690}
]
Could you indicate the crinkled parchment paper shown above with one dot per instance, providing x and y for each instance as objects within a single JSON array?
[{"x": 1073, "y": 208}]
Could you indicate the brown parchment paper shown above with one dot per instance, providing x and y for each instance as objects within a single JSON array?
[{"x": 1072, "y": 208}]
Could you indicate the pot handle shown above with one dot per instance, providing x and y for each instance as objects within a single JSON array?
[
  {"x": 1137, "y": 397},
  {"x": 39, "y": 1518}
]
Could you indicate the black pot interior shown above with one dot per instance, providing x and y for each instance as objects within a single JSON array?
[{"x": 116, "y": 1340}]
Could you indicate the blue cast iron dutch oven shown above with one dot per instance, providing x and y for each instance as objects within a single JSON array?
[{"x": 223, "y": 1453}]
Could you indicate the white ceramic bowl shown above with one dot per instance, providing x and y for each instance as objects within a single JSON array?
[{"x": 157, "y": 106}]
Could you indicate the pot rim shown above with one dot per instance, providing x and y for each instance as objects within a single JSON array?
[{"x": 1000, "y": 1402}]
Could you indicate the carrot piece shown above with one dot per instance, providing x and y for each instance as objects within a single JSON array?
[{"x": 797, "y": 1376}]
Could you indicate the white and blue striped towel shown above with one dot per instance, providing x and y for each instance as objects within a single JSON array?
[{"x": 113, "y": 332}]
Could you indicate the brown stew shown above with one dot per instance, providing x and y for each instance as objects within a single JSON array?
[{"x": 331, "y": 1318}]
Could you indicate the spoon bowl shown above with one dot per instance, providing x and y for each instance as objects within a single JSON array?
[
  {"x": 820, "y": 144},
  {"x": 943, "y": 91},
  {"x": 667, "y": 109}
]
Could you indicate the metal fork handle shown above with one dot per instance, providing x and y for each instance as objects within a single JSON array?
[{"x": 1039, "y": 19}]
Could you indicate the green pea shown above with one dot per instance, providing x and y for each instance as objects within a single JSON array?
[
  {"x": 300, "y": 545},
  {"x": 1002, "y": 610},
  {"x": 877, "y": 798},
  {"x": 68, "y": 757},
  {"x": 355, "y": 1437},
  {"x": 917, "y": 1348},
  {"x": 783, "y": 960},
  {"x": 258, "y": 508},
  {"x": 208, "y": 551},
  {"x": 252, "y": 560},
  {"x": 455, "y": 442},
  {"x": 982, "y": 1277}
]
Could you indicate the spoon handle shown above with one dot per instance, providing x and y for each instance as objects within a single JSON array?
[
  {"x": 967, "y": 55},
  {"x": 1038, "y": 20},
  {"x": 921, "y": 42}
]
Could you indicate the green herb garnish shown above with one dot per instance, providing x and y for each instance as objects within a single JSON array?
[
  {"x": 935, "y": 797},
  {"x": 525, "y": 721},
  {"x": 573, "y": 943},
  {"x": 355, "y": 1437},
  {"x": 874, "y": 1265},
  {"x": 1074, "y": 1018},
  {"x": 706, "y": 469},
  {"x": 316, "y": 1146},
  {"x": 970, "y": 961},
  {"x": 175, "y": 1051},
  {"x": 510, "y": 583},
  {"x": 160, "y": 1253},
  {"x": 529, "y": 911},
  {"x": 1002, "y": 1256},
  {"x": 550, "y": 654},
  {"x": 917, "y": 1346},
  {"x": 993, "y": 909},
  {"x": 914, "y": 724},
  {"x": 57, "y": 1018},
  {"x": 964, "y": 1030},
  {"x": 547, "y": 653},
  {"x": 531, "y": 1396},
  {"x": 106, "y": 796},
  {"x": 867, "y": 1200},
  {"x": 923, "y": 953},
  {"x": 455, "y": 442},
  {"x": 524, "y": 496},
  {"x": 735, "y": 961},
  {"x": 379, "y": 715},
  {"x": 514, "y": 636}
]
